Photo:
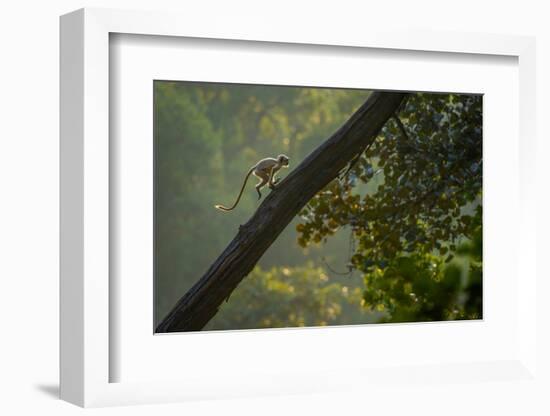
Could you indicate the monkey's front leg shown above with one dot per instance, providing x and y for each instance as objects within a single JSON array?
[
  {"x": 273, "y": 183},
  {"x": 272, "y": 180},
  {"x": 263, "y": 180}
]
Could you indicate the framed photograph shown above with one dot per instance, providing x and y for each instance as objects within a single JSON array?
[{"x": 271, "y": 212}]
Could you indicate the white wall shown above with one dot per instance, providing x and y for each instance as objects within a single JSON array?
[{"x": 29, "y": 184}]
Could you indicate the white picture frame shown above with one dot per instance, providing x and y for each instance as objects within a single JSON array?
[{"x": 86, "y": 355}]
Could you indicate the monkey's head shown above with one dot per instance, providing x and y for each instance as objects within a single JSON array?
[{"x": 283, "y": 160}]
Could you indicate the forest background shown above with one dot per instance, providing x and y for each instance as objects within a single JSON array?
[{"x": 418, "y": 259}]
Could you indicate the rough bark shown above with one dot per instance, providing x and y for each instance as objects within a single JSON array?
[{"x": 193, "y": 311}]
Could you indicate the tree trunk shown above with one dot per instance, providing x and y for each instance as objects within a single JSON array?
[{"x": 193, "y": 311}]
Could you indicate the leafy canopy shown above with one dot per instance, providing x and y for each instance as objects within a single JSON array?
[{"x": 409, "y": 201}]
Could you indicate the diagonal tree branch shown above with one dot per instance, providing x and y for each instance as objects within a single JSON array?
[{"x": 193, "y": 311}]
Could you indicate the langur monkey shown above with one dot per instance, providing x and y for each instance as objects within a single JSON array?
[{"x": 265, "y": 170}]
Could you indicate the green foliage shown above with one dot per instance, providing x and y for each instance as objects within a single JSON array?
[
  {"x": 422, "y": 286},
  {"x": 292, "y": 296},
  {"x": 410, "y": 200}
]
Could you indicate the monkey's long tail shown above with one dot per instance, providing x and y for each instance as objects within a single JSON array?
[{"x": 222, "y": 208}]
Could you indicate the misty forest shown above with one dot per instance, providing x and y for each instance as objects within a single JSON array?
[{"x": 377, "y": 219}]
